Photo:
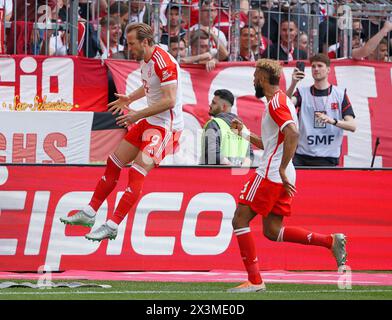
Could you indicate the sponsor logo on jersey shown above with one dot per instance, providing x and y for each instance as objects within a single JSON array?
[
  {"x": 166, "y": 74},
  {"x": 334, "y": 106}
]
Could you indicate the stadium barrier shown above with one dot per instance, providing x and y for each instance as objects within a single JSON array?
[{"x": 182, "y": 220}]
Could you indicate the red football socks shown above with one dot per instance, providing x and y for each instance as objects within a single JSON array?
[
  {"x": 248, "y": 254},
  {"x": 107, "y": 183},
  {"x": 131, "y": 194},
  {"x": 299, "y": 235}
]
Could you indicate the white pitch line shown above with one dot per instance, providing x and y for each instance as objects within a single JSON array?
[
  {"x": 267, "y": 280},
  {"x": 190, "y": 292}
]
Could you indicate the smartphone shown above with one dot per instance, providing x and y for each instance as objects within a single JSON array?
[{"x": 300, "y": 65}]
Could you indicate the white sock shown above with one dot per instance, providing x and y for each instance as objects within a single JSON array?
[
  {"x": 112, "y": 224},
  {"x": 89, "y": 211}
]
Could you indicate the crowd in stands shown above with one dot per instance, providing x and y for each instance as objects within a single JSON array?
[{"x": 204, "y": 31}]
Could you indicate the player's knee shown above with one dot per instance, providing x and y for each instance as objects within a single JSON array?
[
  {"x": 237, "y": 222},
  {"x": 136, "y": 176},
  {"x": 270, "y": 233},
  {"x": 234, "y": 222}
]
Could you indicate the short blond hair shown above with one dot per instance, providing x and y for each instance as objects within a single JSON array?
[
  {"x": 272, "y": 67},
  {"x": 143, "y": 31}
]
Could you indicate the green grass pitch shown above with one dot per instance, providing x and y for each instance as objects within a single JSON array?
[{"x": 127, "y": 290}]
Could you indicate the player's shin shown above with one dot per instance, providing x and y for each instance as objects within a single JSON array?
[
  {"x": 107, "y": 183},
  {"x": 248, "y": 254},
  {"x": 131, "y": 194},
  {"x": 300, "y": 235}
]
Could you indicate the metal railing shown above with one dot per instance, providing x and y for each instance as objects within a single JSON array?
[{"x": 95, "y": 28}]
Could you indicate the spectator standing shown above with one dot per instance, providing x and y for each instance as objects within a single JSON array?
[
  {"x": 357, "y": 27},
  {"x": 376, "y": 48},
  {"x": 208, "y": 14},
  {"x": 6, "y": 7},
  {"x": 286, "y": 50},
  {"x": 303, "y": 42},
  {"x": 372, "y": 26},
  {"x": 327, "y": 33},
  {"x": 201, "y": 52},
  {"x": 248, "y": 40},
  {"x": 5, "y": 15},
  {"x": 270, "y": 28},
  {"x": 177, "y": 48},
  {"x": 223, "y": 20},
  {"x": 381, "y": 53},
  {"x": 356, "y": 41},
  {"x": 120, "y": 10},
  {"x": 110, "y": 36},
  {"x": 324, "y": 113},
  {"x": 173, "y": 27},
  {"x": 257, "y": 20},
  {"x": 225, "y": 17},
  {"x": 28, "y": 39},
  {"x": 140, "y": 12}
]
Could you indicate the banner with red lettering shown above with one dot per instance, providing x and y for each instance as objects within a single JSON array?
[
  {"x": 368, "y": 87},
  {"x": 182, "y": 220},
  {"x": 36, "y": 83},
  {"x": 48, "y": 137}
]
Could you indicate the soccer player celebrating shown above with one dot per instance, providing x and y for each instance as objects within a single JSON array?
[
  {"x": 271, "y": 189},
  {"x": 155, "y": 131}
]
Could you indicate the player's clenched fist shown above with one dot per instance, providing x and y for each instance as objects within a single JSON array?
[{"x": 236, "y": 126}]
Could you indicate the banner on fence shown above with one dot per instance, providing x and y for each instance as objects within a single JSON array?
[
  {"x": 368, "y": 86},
  {"x": 45, "y": 137},
  {"x": 39, "y": 83},
  {"x": 65, "y": 83}
]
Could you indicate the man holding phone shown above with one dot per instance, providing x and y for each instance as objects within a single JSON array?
[{"x": 324, "y": 111}]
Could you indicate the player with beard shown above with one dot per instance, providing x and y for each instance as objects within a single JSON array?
[
  {"x": 154, "y": 134},
  {"x": 270, "y": 191}
]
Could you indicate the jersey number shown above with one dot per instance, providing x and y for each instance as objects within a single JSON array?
[{"x": 245, "y": 187}]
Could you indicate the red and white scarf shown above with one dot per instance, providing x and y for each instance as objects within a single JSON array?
[{"x": 290, "y": 53}]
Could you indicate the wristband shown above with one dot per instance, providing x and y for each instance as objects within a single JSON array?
[
  {"x": 245, "y": 133},
  {"x": 336, "y": 121}
]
